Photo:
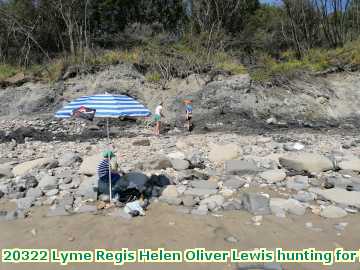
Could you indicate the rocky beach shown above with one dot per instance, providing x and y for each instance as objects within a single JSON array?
[{"x": 263, "y": 167}]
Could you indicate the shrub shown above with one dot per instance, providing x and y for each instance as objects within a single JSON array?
[{"x": 7, "y": 71}]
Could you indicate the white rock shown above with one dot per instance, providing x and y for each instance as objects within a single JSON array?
[
  {"x": 219, "y": 153},
  {"x": 25, "y": 167},
  {"x": 339, "y": 196},
  {"x": 353, "y": 164},
  {"x": 170, "y": 191},
  {"x": 306, "y": 162},
  {"x": 273, "y": 176},
  {"x": 333, "y": 212}
]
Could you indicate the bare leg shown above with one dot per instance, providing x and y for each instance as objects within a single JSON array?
[
  {"x": 156, "y": 128},
  {"x": 159, "y": 128}
]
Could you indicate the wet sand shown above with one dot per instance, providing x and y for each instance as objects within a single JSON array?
[{"x": 164, "y": 227}]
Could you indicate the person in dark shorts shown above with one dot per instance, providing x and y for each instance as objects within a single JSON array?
[
  {"x": 188, "y": 111},
  {"x": 103, "y": 168}
]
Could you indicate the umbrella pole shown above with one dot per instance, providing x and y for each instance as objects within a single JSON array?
[{"x": 108, "y": 140}]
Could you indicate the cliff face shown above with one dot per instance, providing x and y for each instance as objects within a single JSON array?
[{"x": 332, "y": 100}]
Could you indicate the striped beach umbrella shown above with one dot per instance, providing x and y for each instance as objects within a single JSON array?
[{"x": 104, "y": 106}]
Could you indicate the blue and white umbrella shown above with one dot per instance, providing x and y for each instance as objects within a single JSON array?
[{"x": 106, "y": 106}]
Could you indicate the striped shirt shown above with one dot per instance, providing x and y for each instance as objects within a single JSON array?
[{"x": 103, "y": 168}]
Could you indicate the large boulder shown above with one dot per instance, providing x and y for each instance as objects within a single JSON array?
[
  {"x": 26, "y": 167},
  {"x": 89, "y": 165},
  {"x": 219, "y": 153},
  {"x": 241, "y": 167},
  {"x": 352, "y": 164},
  {"x": 339, "y": 196},
  {"x": 308, "y": 162}
]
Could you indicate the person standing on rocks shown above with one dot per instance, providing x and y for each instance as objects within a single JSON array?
[
  {"x": 103, "y": 172},
  {"x": 157, "y": 117},
  {"x": 188, "y": 111}
]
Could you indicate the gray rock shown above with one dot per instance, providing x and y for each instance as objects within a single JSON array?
[
  {"x": 69, "y": 158},
  {"x": 66, "y": 201},
  {"x": 88, "y": 188},
  {"x": 273, "y": 176},
  {"x": 233, "y": 182},
  {"x": 241, "y": 167},
  {"x": 308, "y": 162},
  {"x": 179, "y": 164},
  {"x": 188, "y": 201},
  {"x": 295, "y": 207},
  {"x": 339, "y": 196},
  {"x": 198, "y": 192},
  {"x": 170, "y": 200},
  {"x": 34, "y": 193},
  {"x": 298, "y": 183},
  {"x": 256, "y": 204},
  {"x": 213, "y": 202},
  {"x": 1, "y": 194},
  {"x": 24, "y": 203},
  {"x": 304, "y": 196},
  {"x": 204, "y": 184},
  {"x": 202, "y": 210},
  {"x": 279, "y": 207},
  {"x": 48, "y": 182},
  {"x": 333, "y": 212},
  {"x": 52, "y": 192},
  {"x": 233, "y": 205},
  {"x": 5, "y": 171}
]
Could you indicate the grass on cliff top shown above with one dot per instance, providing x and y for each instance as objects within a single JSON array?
[
  {"x": 315, "y": 60},
  {"x": 188, "y": 55}
]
